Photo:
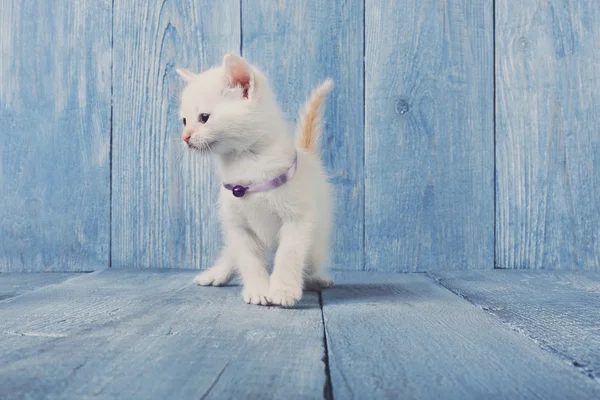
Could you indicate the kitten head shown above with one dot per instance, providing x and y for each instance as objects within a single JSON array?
[{"x": 221, "y": 108}]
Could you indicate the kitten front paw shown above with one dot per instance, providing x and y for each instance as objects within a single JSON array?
[
  {"x": 284, "y": 296},
  {"x": 256, "y": 296},
  {"x": 212, "y": 277}
]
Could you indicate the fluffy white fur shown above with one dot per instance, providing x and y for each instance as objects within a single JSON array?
[{"x": 247, "y": 132}]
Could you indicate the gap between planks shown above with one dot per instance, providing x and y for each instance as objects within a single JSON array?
[{"x": 327, "y": 388}]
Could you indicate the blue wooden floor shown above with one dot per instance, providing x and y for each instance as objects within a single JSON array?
[{"x": 153, "y": 334}]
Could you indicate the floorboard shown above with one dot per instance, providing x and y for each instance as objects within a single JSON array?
[
  {"x": 405, "y": 336},
  {"x": 153, "y": 334},
  {"x": 559, "y": 310},
  {"x": 14, "y": 284}
]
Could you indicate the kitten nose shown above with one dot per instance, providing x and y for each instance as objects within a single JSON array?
[{"x": 186, "y": 137}]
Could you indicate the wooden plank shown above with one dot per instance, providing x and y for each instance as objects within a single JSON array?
[
  {"x": 557, "y": 310},
  {"x": 54, "y": 135},
  {"x": 163, "y": 197},
  {"x": 298, "y": 44},
  {"x": 15, "y": 284},
  {"x": 404, "y": 336},
  {"x": 153, "y": 334},
  {"x": 429, "y": 143},
  {"x": 548, "y": 113}
]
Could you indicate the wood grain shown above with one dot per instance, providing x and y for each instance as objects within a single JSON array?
[
  {"x": 548, "y": 142},
  {"x": 403, "y": 336},
  {"x": 429, "y": 144},
  {"x": 15, "y": 283},
  {"x": 298, "y": 44},
  {"x": 54, "y": 135},
  {"x": 152, "y": 334},
  {"x": 164, "y": 212},
  {"x": 559, "y": 311}
]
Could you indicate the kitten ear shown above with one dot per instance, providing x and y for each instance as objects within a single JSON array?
[
  {"x": 239, "y": 73},
  {"x": 185, "y": 74}
]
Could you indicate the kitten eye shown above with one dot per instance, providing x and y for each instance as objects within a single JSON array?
[
  {"x": 203, "y": 118},
  {"x": 184, "y": 121}
]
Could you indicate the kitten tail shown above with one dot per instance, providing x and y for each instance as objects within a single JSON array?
[{"x": 310, "y": 123}]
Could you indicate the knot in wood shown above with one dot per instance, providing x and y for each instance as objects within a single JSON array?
[{"x": 402, "y": 106}]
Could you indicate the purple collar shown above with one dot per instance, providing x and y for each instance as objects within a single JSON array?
[{"x": 240, "y": 191}]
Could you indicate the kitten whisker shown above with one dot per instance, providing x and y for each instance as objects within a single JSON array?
[
  {"x": 178, "y": 154},
  {"x": 209, "y": 148}
]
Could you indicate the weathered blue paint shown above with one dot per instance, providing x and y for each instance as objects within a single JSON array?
[
  {"x": 298, "y": 44},
  {"x": 130, "y": 333},
  {"x": 409, "y": 139},
  {"x": 403, "y": 336},
  {"x": 429, "y": 144},
  {"x": 558, "y": 310},
  {"x": 164, "y": 212},
  {"x": 15, "y": 283},
  {"x": 154, "y": 335},
  {"x": 548, "y": 136},
  {"x": 54, "y": 135}
]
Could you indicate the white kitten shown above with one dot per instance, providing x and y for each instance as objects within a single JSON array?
[{"x": 231, "y": 112}]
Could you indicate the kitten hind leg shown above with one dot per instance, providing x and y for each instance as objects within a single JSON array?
[
  {"x": 316, "y": 277},
  {"x": 219, "y": 274},
  {"x": 318, "y": 282}
]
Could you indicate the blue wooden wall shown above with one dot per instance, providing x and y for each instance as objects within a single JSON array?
[
  {"x": 55, "y": 114},
  {"x": 548, "y": 134},
  {"x": 460, "y": 135}
]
